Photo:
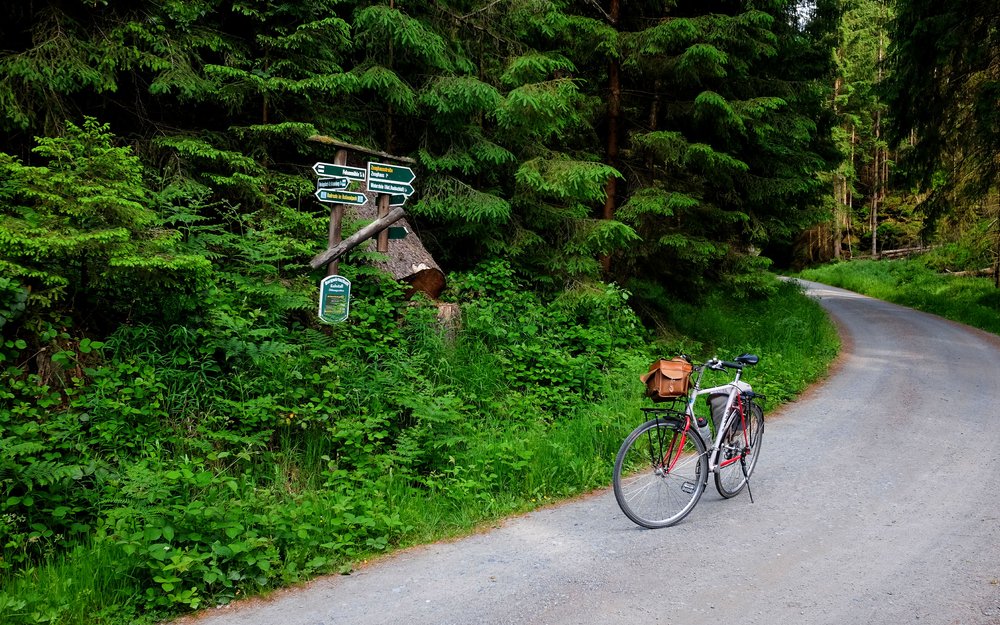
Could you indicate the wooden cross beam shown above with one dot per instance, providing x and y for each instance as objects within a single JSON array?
[{"x": 357, "y": 238}]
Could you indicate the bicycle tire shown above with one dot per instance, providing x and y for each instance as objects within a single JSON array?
[
  {"x": 649, "y": 494},
  {"x": 730, "y": 480}
]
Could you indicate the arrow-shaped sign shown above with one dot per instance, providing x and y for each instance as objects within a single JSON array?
[
  {"x": 340, "y": 171},
  {"x": 397, "y": 200},
  {"x": 390, "y": 173},
  {"x": 332, "y": 183},
  {"x": 396, "y": 188},
  {"x": 341, "y": 197},
  {"x": 385, "y": 178}
]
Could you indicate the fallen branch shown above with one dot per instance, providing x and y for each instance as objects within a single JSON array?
[{"x": 357, "y": 238}]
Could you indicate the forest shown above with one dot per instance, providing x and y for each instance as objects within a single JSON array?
[{"x": 599, "y": 182}]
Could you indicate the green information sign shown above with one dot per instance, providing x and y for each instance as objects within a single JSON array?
[
  {"x": 394, "y": 179},
  {"x": 334, "y": 299},
  {"x": 341, "y": 197},
  {"x": 340, "y": 171}
]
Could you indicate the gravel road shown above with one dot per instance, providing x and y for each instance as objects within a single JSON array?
[{"x": 876, "y": 501}]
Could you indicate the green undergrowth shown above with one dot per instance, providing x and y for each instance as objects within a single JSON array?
[
  {"x": 166, "y": 469},
  {"x": 918, "y": 284}
]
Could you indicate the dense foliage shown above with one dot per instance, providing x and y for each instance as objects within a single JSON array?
[
  {"x": 175, "y": 467},
  {"x": 945, "y": 90},
  {"x": 177, "y": 427},
  {"x": 715, "y": 130}
]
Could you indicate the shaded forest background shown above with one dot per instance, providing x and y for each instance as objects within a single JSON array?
[{"x": 597, "y": 179}]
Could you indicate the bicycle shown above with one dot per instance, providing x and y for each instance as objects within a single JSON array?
[{"x": 662, "y": 467}]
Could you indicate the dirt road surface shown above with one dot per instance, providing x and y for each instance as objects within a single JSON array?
[{"x": 877, "y": 501}]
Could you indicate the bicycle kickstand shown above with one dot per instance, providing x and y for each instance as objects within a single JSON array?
[{"x": 743, "y": 465}]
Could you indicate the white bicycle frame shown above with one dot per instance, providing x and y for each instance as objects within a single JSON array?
[{"x": 733, "y": 388}]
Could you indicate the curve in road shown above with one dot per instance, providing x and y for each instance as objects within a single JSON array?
[{"x": 877, "y": 501}]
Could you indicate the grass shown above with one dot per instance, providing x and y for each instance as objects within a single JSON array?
[
  {"x": 974, "y": 301},
  {"x": 473, "y": 451}
]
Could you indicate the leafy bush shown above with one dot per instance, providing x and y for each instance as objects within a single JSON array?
[{"x": 250, "y": 447}]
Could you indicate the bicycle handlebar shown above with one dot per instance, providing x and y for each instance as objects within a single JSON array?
[{"x": 741, "y": 361}]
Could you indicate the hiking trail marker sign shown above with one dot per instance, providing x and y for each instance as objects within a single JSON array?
[
  {"x": 334, "y": 299},
  {"x": 332, "y": 170},
  {"x": 391, "y": 179}
]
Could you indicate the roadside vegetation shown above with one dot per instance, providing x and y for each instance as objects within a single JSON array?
[
  {"x": 174, "y": 467},
  {"x": 918, "y": 283},
  {"x": 598, "y": 186}
]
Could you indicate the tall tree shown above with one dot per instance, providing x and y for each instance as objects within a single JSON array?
[
  {"x": 726, "y": 135},
  {"x": 862, "y": 38},
  {"x": 944, "y": 94}
]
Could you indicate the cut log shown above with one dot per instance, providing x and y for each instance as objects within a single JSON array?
[{"x": 407, "y": 259}]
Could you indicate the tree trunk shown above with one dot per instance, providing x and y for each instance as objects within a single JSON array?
[{"x": 614, "y": 112}]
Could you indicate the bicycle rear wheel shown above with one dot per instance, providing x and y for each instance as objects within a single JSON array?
[
  {"x": 660, "y": 473},
  {"x": 739, "y": 451}
]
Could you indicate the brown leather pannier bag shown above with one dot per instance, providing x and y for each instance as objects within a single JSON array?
[{"x": 667, "y": 379}]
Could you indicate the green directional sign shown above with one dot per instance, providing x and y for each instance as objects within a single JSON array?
[
  {"x": 390, "y": 173},
  {"x": 398, "y": 232},
  {"x": 399, "y": 188},
  {"x": 334, "y": 299},
  {"x": 340, "y": 171},
  {"x": 395, "y": 179},
  {"x": 397, "y": 200},
  {"x": 341, "y": 197}
]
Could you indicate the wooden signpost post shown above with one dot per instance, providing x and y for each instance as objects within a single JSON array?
[
  {"x": 385, "y": 187},
  {"x": 391, "y": 184}
]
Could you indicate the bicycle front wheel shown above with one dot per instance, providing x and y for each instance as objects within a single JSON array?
[
  {"x": 739, "y": 451},
  {"x": 660, "y": 473}
]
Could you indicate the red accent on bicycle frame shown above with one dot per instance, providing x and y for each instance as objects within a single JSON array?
[
  {"x": 745, "y": 432},
  {"x": 680, "y": 447}
]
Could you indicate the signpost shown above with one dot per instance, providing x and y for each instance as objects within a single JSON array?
[
  {"x": 341, "y": 197},
  {"x": 392, "y": 184},
  {"x": 393, "y": 179},
  {"x": 334, "y": 299},
  {"x": 332, "y": 170}
]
